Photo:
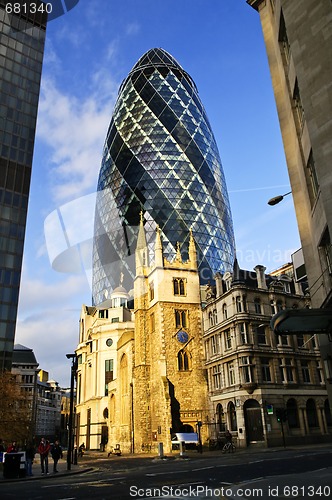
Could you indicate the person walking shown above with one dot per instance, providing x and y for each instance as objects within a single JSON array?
[
  {"x": 43, "y": 450},
  {"x": 56, "y": 452}
]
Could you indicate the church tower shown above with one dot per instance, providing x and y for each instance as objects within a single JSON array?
[{"x": 169, "y": 383}]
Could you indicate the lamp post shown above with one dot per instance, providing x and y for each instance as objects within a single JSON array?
[
  {"x": 71, "y": 408},
  {"x": 277, "y": 199}
]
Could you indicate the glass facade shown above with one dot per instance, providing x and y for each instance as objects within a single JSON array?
[
  {"x": 160, "y": 156},
  {"x": 21, "y": 52}
]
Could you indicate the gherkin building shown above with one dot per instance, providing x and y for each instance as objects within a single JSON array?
[{"x": 160, "y": 157}]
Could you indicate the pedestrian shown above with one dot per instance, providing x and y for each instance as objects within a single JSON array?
[
  {"x": 43, "y": 450},
  {"x": 2, "y": 446},
  {"x": 12, "y": 448},
  {"x": 30, "y": 452},
  {"x": 56, "y": 452}
]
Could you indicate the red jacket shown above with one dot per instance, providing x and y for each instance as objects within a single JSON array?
[{"x": 44, "y": 448}]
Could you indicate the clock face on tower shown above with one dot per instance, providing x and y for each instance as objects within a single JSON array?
[{"x": 182, "y": 336}]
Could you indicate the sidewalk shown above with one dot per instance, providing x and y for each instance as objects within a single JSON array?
[
  {"x": 93, "y": 456},
  {"x": 80, "y": 468}
]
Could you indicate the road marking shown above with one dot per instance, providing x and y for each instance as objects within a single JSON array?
[
  {"x": 166, "y": 473},
  {"x": 204, "y": 468},
  {"x": 86, "y": 483},
  {"x": 255, "y": 461}
]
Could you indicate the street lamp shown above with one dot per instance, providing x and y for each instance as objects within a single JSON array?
[
  {"x": 71, "y": 408},
  {"x": 277, "y": 199}
]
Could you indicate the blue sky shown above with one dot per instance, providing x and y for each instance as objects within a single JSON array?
[{"x": 89, "y": 51}]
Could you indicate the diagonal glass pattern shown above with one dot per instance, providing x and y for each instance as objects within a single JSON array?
[{"x": 160, "y": 156}]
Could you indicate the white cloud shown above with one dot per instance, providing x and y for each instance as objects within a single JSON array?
[
  {"x": 132, "y": 29},
  {"x": 74, "y": 130},
  {"x": 48, "y": 320}
]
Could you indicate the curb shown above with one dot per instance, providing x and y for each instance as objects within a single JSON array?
[{"x": 46, "y": 477}]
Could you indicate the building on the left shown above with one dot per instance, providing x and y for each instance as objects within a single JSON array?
[
  {"x": 22, "y": 38},
  {"x": 47, "y": 402}
]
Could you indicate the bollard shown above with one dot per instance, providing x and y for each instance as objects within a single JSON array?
[
  {"x": 161, "y": 450},
  {"x": 182, "y": 448}
]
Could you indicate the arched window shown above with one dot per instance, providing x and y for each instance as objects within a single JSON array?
[
  {"x": 179, "y": 287},
  {"x": 224, "y": 311},
  {"x": 311, "y": 413},
  {"x": 183, "y": 361},
  {"x": 215, "y": 317},
  {"x": 292, "y": 414},
  {"x": 180, "y": 318},
  {"x": 210, "y": 319},
  {"x": 232, "y": 416}
]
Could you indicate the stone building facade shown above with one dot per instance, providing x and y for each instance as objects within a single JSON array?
[
  {"x": 298, "y": 40},
  {"x": 252, "y": 373},
  {"x": 104, "y": 332},
  {"x": 169, "y": 380}
]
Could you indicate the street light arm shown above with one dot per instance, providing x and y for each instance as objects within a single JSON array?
[{"x": 277, "y": 199}]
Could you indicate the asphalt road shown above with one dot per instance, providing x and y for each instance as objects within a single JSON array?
[{"x": 280, "y": 474}]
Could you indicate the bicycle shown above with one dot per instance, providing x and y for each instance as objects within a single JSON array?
[{"x": 228, "y": 447}]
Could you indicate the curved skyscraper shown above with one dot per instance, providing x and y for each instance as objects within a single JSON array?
[{"x": 160, "y": 156}]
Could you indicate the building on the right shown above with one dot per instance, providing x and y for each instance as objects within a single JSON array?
[{"x": 298, "y": 40}]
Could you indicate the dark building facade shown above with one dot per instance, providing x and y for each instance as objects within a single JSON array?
[
  {"x": 160, "y": 156},
  {"x": 22, "y": 38}
]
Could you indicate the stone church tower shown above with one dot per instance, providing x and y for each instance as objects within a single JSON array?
[{"x": 169, "y": 381}]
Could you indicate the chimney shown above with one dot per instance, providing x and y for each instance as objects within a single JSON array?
[{"x": 260, "y": 274}]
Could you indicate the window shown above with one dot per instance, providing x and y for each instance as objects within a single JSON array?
[
  {"x": 231, "y": 373},
  {"x": 305, "y": 371},
  {"x": 298, "y": 107},
  {"x": 258, "y": 308},
  {"x": 279, "y": 305},
  {"x": 273, "y": 307},
  {"x": 283, "y": 40},
  {"x": 319, "y": 372},
  {"x": 246, "y": 369},
  {"x": 312, "y": 180},
  {"x": 210, "y": 319},
  {"x": 283, "y": 340},
  {"x": 287, "y": 370},
  {"x": 151, "y": 290},
  {"x": 326, "y": 251},
  {"x": 266, "y": 370},
  {"x": 180, "y": 318},
  {"x": 103, "y": 314},
  {"x": 228, "y": 339},
  {"x": 224, "y": 311},
  {"x": 216, "y": 377},
  {"x": 300, "y": 340},
  {"x": 213, "y": 345},
  {"x": 183, "y": 361},
  {"x": 238, "y": 304},
  {"x": 179, "y": 286},
  {"x": 232, "y": 416},
  {"x": 260, "y": 334},
  {"x": 215, "y": 317},
  {"x": 243, "y": 333},
  {"x": 108, "y": 373}
]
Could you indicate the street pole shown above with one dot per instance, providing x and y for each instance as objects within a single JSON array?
[{"x": 71, "y": 410}]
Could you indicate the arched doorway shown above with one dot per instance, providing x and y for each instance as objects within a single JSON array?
[{"x": 253, "y": 421}]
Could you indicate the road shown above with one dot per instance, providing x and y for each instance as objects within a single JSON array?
[{"x": 267, "y": 475}]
